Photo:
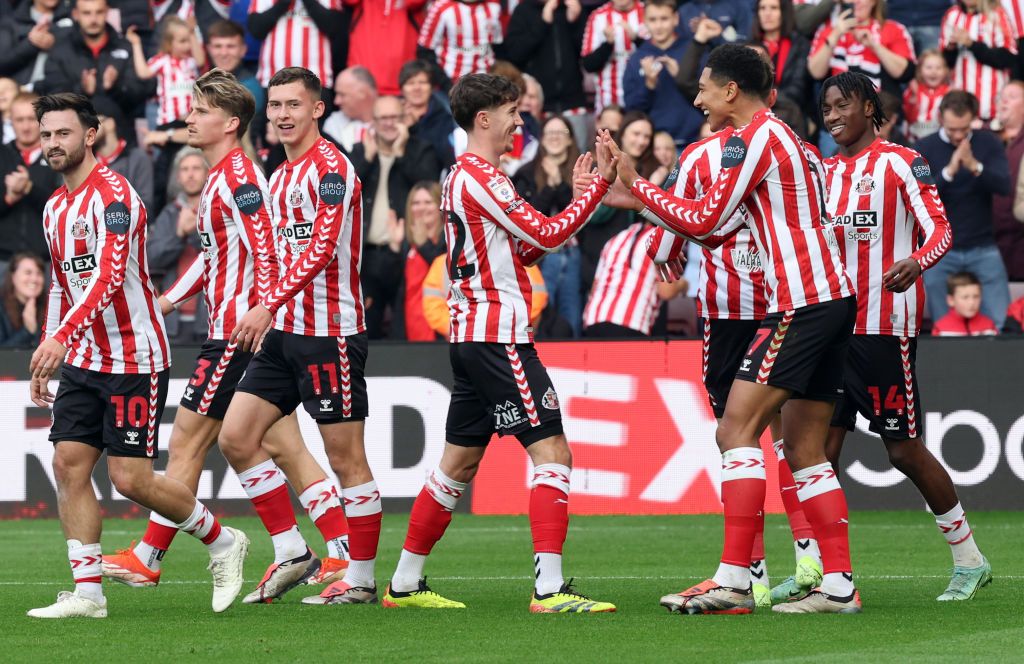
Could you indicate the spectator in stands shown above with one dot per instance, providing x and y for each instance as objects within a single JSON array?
[
  {"x": 423, "y": 232},
  {"x": 892, "y": 129},
  {"x": 295, "y": 33},
  {"x": 426, "y": 109},
  {"x": 666, "y": 154},
  {"x": 173, "y": 244},
  {"x": 1008, "y": 231},
  {"x": 8, "y": 91},
  {"x": 115, "y": 152},
  {"x": 775, "y": 27},
  {"x": 543, "y": 40},
  {"x": 978, "y": 43},
  {"x": 27, "y": 182},
  {"x": 613, "y": 31},
  {"x": 649, "y": 81},
  {"x": 389, "y": 162},
  {"x": 1015, "y": 317},
  {"x": 610, "y": 118},
  {"x": 626, "y": 293},
  {"x": 355, "y": 92},
  {"x": 734, "y": 19},
  {"x": 382, "y": 37},
  {"x": 226, "y": 46},
  {"x": 964, "y": 318},
  {"x": 92, "y": 59},
  {"x": 175, "y": 68},
  {"x": 922, "y": 19},
  {"x": 924, "y": 94},
  {"x": 969, "y": 167},
  {"x": 636, "y": 141},
  {"x": 24, "y": 304},
  {"x": 456, "y": 51},
  {"x": 862, "y": 40},
  {"x": 27, "y": 37},
  {"x": 205, "y": 13},
  {"x": 546, "y": 183}
]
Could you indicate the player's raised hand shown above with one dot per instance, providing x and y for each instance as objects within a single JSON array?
[
  {"x": 901, "y": 275},
  {"x": 607, "y": 155},
  {"x": 582, "y": 174},
  {"x": 249, "y": 331}
]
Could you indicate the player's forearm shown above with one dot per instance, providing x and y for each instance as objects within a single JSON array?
[
  {"x": 936, "y": 244},
  {"x": 529, "y": 254},
  {"x": 188, "y": 284},
  {"x": 692, "y": 219},
  {"x": 664, "y": 246},
  {"x": 555, "y": 231},
  {"x": 311, "y": 263}
]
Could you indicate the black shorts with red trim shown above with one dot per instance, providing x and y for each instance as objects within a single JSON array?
[
  {"x": 725, "y": 344},
  {"x": 324, "y": 374},
  {"x": 881, "y": 384},
  {"x": 119, "y": 413},
  {"x": 803, "y": 350},
  {"x": 503, "y": 389},
  {"x": 218, "y": 369}
]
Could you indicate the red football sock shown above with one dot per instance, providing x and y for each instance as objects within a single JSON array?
[
  {"x": 363, "y": 507},
  {"x": 427, "y": 523},
  {"x": 549, "y": 518},
  {"x": 158, "y": 535},
  {"x": 798, "y": 522},
  {"x": 264, "y": 484},
  {"x": 824, "y": 503},
  {"x": 757, "y": 551},
  {"x": 743, "y": 489},
  {"x": 323, "y": 505}
]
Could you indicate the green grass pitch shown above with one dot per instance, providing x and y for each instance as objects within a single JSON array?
[{"x": 901, "y": 561}]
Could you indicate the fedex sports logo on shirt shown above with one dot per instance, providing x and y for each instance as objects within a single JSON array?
[{"x": 298, "y": 235}]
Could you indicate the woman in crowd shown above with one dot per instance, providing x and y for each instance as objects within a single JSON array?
[
  {"x": 775, "y": 27},
  {"x": 21, "y": 317},
  {"x": 978, "y": 43},
  {"x": 546, "y": 183},
  {"x": 423, "y": 232},
  {"x": 862, "y": 40},
  {"x": 426, "y": 111}
]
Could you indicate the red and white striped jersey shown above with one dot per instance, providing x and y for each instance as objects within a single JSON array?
[
  {"x": 995, "y": 31},
  {"x": 731, "y": 282},
  {"x": 1015, "y": 12},
  {"x": 608, "y": 82},
  {"x": 174, "y": 80},
  {"x": 767, "y": 169},
  {"x": 295, "y": 42},
  {"x": 316, "y": 210},
  {"x": 883, "y": 201},
  {"x": 851, "y": 55},
  {"x": 492, "y": 234},
  {"x": 102, "y": 304},
  {"x": 625, "y": 284},
  {"x": 461, "y": 33},
  {"x": 237, "y": 267},
  {"x": 921, "y": 109}
]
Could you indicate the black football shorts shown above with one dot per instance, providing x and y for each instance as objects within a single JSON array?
[
  {"x": 881, "y": 384},
  {"x": 218, "y": 369}
]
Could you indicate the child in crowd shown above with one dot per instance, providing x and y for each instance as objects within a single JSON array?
[
  {"x": 1015, "y": 317},
  {"x": 666, "y": 154},
  {"x": 922, "y": 97},
  {"x": 964, "y": 318},
  {"x": 176, "y": 67}
]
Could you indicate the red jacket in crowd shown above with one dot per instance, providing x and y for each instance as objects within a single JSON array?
[
  {"x": 383, "y": 38},
  {"x": 955, "y": 325}
]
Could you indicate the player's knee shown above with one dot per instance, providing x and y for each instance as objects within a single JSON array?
[
  {"x": 233, "y": 443},
  {"x": 906, "y": 455},
  {"x": 66, "y": 471},
  {"x": 132, "y": 485}
]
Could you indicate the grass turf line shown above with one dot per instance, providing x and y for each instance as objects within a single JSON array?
[{"x": 901, "y": 561}]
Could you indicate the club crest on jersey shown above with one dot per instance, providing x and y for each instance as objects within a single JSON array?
[
  {"x": 295, "y": 196},
  {"x": 117, "y": 218},
  {"x": 922, "y": 171},
  {"x": 502, "y": 189},
  {"x": 733, "y": 152},
  {"x": 204, "y": 207},
  {"x": 865, "y": 186},
  {"x": 248, "y": 198},
  {"x": 80, "y": 229},
  {"x": 332, "y": 189},
  {"x": 550, "y": 399}
]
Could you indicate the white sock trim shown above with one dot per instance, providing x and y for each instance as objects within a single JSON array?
[
  {"x": 815, "y": 480},
  {"x": 362, "y": 500},
  {"x": 555, "y": 475},
  {"x": 261, "y": 478},
  {"x": 320, "y": 497},
  {"x": 443, "y": 489},
  {"x": 743, "y": 463}
]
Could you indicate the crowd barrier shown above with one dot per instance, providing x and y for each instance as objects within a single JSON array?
[{"x": 637, "y": 417}]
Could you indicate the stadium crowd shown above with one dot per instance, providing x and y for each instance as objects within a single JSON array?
[{"x": 949, "y": 75}]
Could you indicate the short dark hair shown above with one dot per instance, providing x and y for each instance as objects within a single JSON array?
[
  {"x": 224, "y": 28},
  {"x": 478, "y": 92},
  {"x": 958, "y": 279},
  {"x": 222, "y": 90},
  {"x": 68, "y": 101},
  {"x": 959, "y": 103},
  {"x": 671, "y": 4},
  {"x": 309, "y": 80},
  {"x": 415, "y": 68},
  {"x": 743, "y": 66},
  {"x": 854, "y": 84}
]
